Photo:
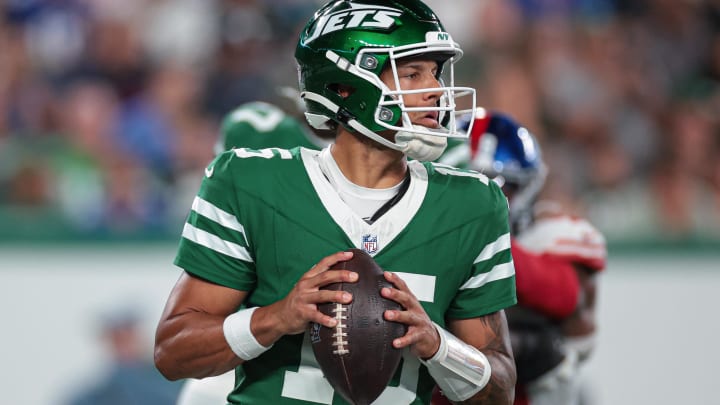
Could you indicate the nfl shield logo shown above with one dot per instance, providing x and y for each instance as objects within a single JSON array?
[{"x": 369, "y": 243}]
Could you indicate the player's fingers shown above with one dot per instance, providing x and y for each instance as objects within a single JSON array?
[
  {"x": 423, "y": 339},
  {"x": 409, "y": 318},
  {"x": 409, "y": 339},
  {"x": 323, "y": 296},
  {"x": 398, "y": 282},
  {"x": 334, "y": 276},
  {"x": 327, "y": 262},
  {"x": 404, "y": 298},
  {"x": 324, "y": 320}
]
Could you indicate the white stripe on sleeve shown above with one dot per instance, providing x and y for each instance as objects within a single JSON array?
[
  {"x": 216, "y": 243},
  {"x": 216, "y": 214},
  {"x": 498, "y": 272},
  {"x": 502, "y": 243}
]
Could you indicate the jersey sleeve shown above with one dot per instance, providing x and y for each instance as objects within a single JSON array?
[
  {"x": 490, "y": 286},
  {"x": 215, "y": 244}
]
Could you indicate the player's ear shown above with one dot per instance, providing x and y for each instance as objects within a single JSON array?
[{"x": 343, "y": 90}]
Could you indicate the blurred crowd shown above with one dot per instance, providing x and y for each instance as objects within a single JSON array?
[
  {"x": 109, "y": 109},
  {"x": 129, "y": 376},
  {"x": 625, "y": 98}
]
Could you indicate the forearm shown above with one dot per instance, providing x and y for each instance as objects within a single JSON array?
[
  {"x": 192, "y": 345},
  {"x": 475, "y": 363},
  {"x": 201, "y": 333},
  {"x": 500, "y": 389},
  {"x": 197, "y": 345}
]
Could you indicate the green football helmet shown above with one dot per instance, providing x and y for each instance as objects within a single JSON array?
[{"x": 349, "y": 43}]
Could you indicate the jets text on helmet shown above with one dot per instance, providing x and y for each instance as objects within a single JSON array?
[{"x": 358, "y": 16}]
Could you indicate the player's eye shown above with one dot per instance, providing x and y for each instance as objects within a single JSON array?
[
  {"x": 408, "y": 73},
  {"x": 413, "y": 75}
]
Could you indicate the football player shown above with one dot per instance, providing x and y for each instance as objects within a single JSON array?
[
  {"x": 260, "y": 125},
  {"x": 557, "y": 258},
  {"x": 267, "y": 225}
]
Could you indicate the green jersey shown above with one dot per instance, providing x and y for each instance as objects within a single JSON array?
[
  {"x": 263, "y": 218},
  {"x": 258, "y": 125}
]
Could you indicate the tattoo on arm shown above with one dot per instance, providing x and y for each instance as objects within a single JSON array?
[{"x": 501, "y": 387}]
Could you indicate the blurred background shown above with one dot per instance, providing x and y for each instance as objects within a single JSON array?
[{"x": 109, "y": 111}]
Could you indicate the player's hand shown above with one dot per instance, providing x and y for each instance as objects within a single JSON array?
[
  {"x": 422, "y": 337},
  {"x": 299, "y": 307}
]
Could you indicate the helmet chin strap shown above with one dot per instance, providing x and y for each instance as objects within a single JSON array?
[
  {"x": 416, "y": 146},
  {"x": 424, "y": 148}
]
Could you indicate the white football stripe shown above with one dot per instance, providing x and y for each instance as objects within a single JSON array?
[
  {"x": 421, "y": 285},
  {"x": 502, "y": 243},
  {"x": 498, "y": 272},
  {"x": 210, "y": 211},
  {"x": 216, "y": 243},
  {"x": 593, "y": 252}
]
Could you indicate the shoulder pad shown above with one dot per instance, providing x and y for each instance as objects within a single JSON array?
[{"x": 569, "y": 237}]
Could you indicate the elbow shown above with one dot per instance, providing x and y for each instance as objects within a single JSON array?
[
  {"x": 511, "y": 388},
  {"x": 504, "y": 380},
  {"x": 163, "y": 365}
]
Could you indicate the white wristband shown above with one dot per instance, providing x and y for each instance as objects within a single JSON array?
[
  {"x": 459, "y": 369},
  {"x": 236, "y": 329}
]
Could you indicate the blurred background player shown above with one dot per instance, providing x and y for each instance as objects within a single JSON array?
[
  {"x": 131, "y": 377},
  {"x": 254, "y": 125},
  {"x": 557, "y": 258},
  {"x": 259, "y": 125}
]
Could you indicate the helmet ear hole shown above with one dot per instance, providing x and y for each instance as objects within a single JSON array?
[{"x": 342, "y": 90}]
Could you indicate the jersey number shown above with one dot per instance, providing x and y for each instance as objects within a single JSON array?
[
  {"x": 309, "y": 384},
  {"x": 264, "y": 119},
  {"x": 267, "y": 153}
]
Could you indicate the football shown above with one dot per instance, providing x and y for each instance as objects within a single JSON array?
[{"x": 357, "y": 356}]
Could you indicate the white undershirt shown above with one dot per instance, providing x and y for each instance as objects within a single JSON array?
[{"x": 362, "y": 200}]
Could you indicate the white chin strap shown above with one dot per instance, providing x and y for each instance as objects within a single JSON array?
[{"x": 424, "y": 148}]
